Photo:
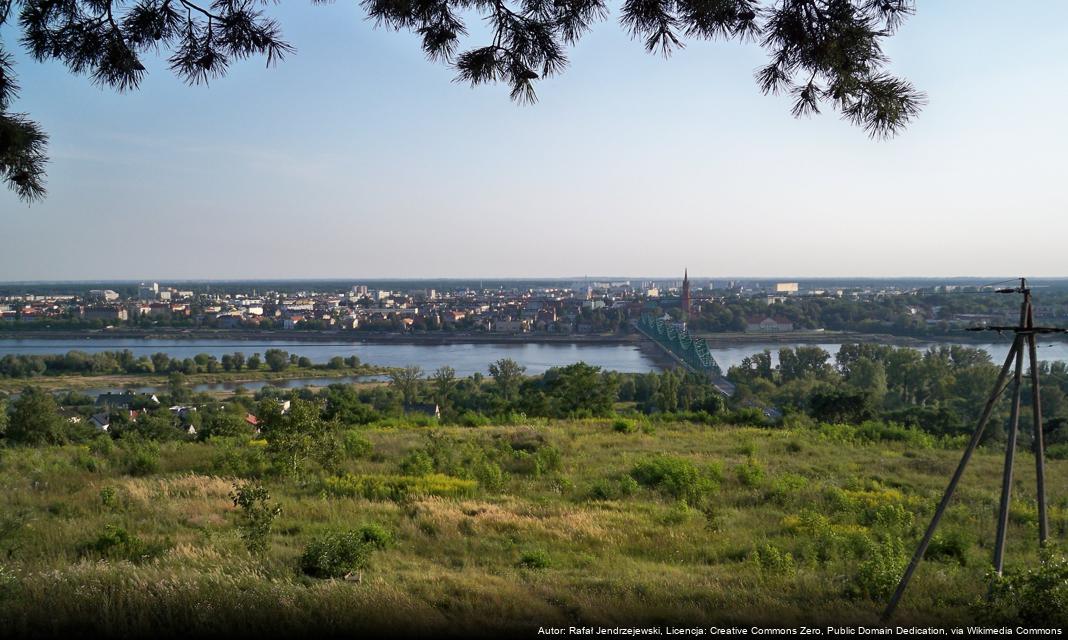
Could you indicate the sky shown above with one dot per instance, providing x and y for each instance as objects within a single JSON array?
[{"x": 358, "y": 158}]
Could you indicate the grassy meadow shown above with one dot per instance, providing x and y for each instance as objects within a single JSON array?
[{"x": 602, "y": 522}]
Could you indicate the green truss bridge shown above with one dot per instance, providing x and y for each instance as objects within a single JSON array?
[{"x": 689, "y": 351}]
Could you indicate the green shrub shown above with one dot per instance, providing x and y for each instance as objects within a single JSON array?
[
  {"x": 771, "y": 559},
  {"x": 951, "y": 546},
  {"x": 489, "y": 474},
  {"x": 535, "y": 559},
  {"x": 140, "y": 457},
  {"x": 115, "y": 543},
  {"x": 239, "y": 459},
  {"x": 1036, "y": 597},
  {"x": 398, "y": 487},
  {"x": 357, "y": 445},
  {"x": 336, "y": 554},
  {"x": 417, "y": 463},
  {"x": 1057, "y": 451},
  {"x": 889, "y": 517},
  {"x": 878, "y": 431},
  {"x": 82, "y": 459},
  {"x": 676, "y": 477},
  {"x": 258, "y": 515},
  {"x": 376, "y": 535},
  {"x": 816, "y": 539},
  {"x": 614, "y": 488},
  {"x": 472, "y": 419},
  {"x": 747, "y": 448},
  {"x": 786, "y": 486},
  {"x": 109, "y": 496},
  {"x": 882, "y": 568},
  {"x": 547, "y": 460},
  {"x": 748, "y": 416},
  {"x": 102, "y": 446},
  {"x": 624, "y": 425},
  {"x": 750, "y": 473},
  {"x": 680, "y": 513}
]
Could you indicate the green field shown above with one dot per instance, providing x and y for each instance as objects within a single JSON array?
[{"x": 599, "y": 522}]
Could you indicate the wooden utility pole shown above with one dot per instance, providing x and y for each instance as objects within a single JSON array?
[{"x": 1023, "y": 335}]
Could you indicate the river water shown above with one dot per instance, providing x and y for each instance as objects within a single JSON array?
[{"x": 465, "y": 358}]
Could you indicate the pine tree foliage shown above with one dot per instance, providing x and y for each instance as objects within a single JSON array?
[{"x": 821, "y": 52}]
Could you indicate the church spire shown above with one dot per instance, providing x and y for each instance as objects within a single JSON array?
[{"x": 686, "y": 295}]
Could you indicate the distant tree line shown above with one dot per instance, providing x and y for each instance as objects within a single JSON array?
[
  {"x": 941, "y": 391},
  {"x": 896, "y": 391},
  {"x": 125, "y": 362}
]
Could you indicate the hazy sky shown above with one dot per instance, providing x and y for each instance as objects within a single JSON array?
[{"x": 358, "y": 158}]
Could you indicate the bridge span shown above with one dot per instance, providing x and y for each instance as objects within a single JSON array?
[{"x": 690, "y": 352}]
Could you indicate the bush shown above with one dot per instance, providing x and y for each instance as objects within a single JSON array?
[
  {"x": 786, "y": 486},
  {"x": 747, "y": 416},
  {"x": 771, "y": 559},
  {"x": 535, "y": 559},
  {"x": 878, "y": 431},
  {"x": 82, "y": 459},
  {"x": 417, "y": 463},
  {"x": 880, "y": 572},
  {"x": 613, "y": 488},
  {"x": 623, "y": 425},
  {"x": 336, "y": 554},
  {"x": 399, "y": 488},
  {"x": 889, "y": 517},
  {"x": 140, "y": 457},
  {"x": 115, "y": 543},
  {"x": 239, "y": 459},
  {"x": 1057, "y": 451},
  {"x": 109, "y": 496},
  {"x": 376, "y": 535},
  {"x": 472, "y": 419},
  {"x": 489, "y": 475},
  {"x": 750, "y": 473},
  {"x": 547, "y": 460},
  {"x": 356, "y": 445},
  {"x": 952, "y": 546},
  {"x": 102, "y": 446},
  {"x": 676, "y": 477},
  {"x": 258, "y": 515},
  {"x": 1035, "y": 597}
]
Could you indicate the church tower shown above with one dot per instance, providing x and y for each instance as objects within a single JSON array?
[{"x": 686, "y": 296}]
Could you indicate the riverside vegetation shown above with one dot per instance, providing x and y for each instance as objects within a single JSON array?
[{"x": 341, "y": 513}]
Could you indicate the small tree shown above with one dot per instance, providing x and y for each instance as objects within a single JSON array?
[
  {"x": 276, "y": 359},
  {"x": 257, "y": 513},
  {"x": 507, "y": 374},
  {"x": 299, "y": 435},
  {"x": 444, "y": 384},
  {"x": 407, "y": 381},
  {"x": 176, "y": 386},
  {"x": 35, "y": 419}
]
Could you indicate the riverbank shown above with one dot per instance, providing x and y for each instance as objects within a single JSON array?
[
  {"x": 437, "y": 338},
  {"x": 80, "y": 382},
  {"x": 730, "y": 339},
  {"x": 714, "y": 339}
]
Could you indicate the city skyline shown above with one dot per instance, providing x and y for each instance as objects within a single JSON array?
[{"x": 358, "y": 156}]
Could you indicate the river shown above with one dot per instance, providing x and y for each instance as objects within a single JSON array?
[{"x": 465, "y": 358}]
